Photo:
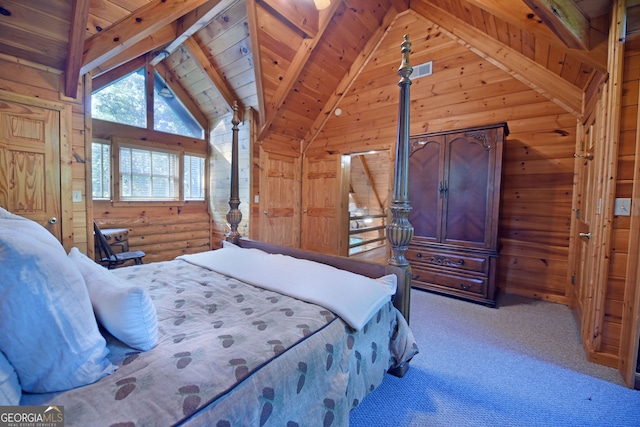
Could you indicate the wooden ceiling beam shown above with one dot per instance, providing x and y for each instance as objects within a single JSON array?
[
  {"x": 347, "y": 81},
  {"x": 535, "y": 76},
  {"x": 295, "y": 68},
  {"x": 205, "y": 65},
  {"x": 514, "y": 13},
  {"x": 301, "y": 15},
  {"x": 76, "y": 44},
  {"x": 153, "y": 41},
  {"x": 114, "y": 74},
  {"x": 145, "y": 21},
  {"x": 252, "y": 20},
  {"x": 193, "y": 22},
  {"x": 565, "y": 19},
  {"x": 181, "y": 94}
]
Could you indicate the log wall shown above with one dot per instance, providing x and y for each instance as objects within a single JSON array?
[{"x": 162, "y": 230}]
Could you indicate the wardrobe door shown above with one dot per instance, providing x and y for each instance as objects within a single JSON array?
[
  {"x": 467, "y": 182},
  {"x": 426, "y": 164}
]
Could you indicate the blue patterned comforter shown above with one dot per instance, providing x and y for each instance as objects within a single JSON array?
[{"x": 231, "y": 354}]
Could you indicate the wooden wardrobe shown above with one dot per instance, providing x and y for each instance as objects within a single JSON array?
[{"x": 454, "y": 188}]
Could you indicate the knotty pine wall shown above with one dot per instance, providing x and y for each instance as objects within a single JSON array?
[
  {"x": 463, "y": 91},
  {"x": 41, "y": 83},
  {"x": 627, "y": 164}
]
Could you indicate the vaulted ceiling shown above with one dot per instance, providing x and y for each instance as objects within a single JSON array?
[{"x": 290, "y": 62}]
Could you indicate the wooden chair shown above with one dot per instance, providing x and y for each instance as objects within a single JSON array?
[{"x": 106, "y": 255}]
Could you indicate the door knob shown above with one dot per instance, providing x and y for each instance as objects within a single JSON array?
[
  {"x": 266, "y": 212},
  {"x": 587, "y": 235},
  {"x": 53, "y": 220}
]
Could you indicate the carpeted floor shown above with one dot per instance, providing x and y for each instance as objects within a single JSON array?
[{"x": 521, "y": 364}]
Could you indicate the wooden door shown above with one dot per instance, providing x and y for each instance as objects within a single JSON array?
[
  {"x": 426, "y": 165},
  {"x": 585, "y": 210},
  {"x": 468, "y": 188},
  {"x": 30, "y": 163},
  {"x": 279, "y": 199},
  {"x": 321, "y": 204}
]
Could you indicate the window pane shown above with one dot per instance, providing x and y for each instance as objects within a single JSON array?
[
  {"x": 193, "y": 178},
  {"x": 171, "y": 116},
  {"x": 148, "y": 175},
  {"x": 100, "y": 170},
  {"x": 123, "y": 101}
]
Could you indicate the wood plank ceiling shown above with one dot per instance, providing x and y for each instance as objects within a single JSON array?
[{"x": 290, "y": 62}]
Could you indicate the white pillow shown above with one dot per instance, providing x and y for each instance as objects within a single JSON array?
[
  {"x": 10, "y": 391},
  {"x": 125, "y": 311},
  {"x": 49, "y": 333},
  {"x": 31, "y": 229}
]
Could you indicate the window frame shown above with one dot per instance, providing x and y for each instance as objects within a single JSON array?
[
  {"x": 204, "y": 175},
  {"x": 103, "y": 142},
  {"x": 116, "y": 197}
]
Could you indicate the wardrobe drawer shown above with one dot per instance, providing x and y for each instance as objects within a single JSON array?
[
  {"x": 467, "y": 262},
  {"x": 463, "y": 284}
]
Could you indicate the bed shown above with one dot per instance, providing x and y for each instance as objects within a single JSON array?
[{"x": 248, "y": 334}]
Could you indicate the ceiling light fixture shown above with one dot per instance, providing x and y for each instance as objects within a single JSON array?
[
  {"x": 322, "y": 4},
  {"x": 165, "y": 92}
]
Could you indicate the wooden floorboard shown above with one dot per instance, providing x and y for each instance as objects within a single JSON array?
[{"x": 378, "y": 255}]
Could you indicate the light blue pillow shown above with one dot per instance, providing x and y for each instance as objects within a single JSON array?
[
  {"x": 10, "y": 391},
  {"x": 126, "y": 311},
  {"x": 49, "y": 333}
]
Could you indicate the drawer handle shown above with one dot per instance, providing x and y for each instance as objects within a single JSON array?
[
  {"x": 416, "y": 277},
  {"x": 419, "y": 255},
  {"x": 465, "y": 286},
  {"x": 440, "y": 260}
]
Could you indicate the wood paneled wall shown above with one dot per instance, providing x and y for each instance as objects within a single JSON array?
[
  {"x": 42, "y": 83},
  {"x": 621, "y": 231},
  {"x": 465, "y": 90}
]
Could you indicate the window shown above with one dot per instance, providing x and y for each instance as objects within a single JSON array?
[
  {"x": 123, "y": 101},
  {"x": 193, "y": 177},
  {"x": 101, "y": 170},
  {"x": 156, "y": 173},
  {"x": 170, "y": 115},
  {"x": 148, "y": 174}
]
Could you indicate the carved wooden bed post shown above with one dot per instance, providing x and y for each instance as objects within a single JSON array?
[
  {"x": 399, "y": 230},
  {"x": 234, "y": 216}
]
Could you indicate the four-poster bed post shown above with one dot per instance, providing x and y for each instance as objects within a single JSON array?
[
  {"x": 234, "y": 216},
  {"x": 399, "y": 230}
]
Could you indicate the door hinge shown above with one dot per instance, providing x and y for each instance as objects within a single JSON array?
[
  {"x": 573, "y": 279},
  {"x": 577, "y": 213}
]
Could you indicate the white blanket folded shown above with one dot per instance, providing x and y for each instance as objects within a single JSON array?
[{"x": 353, "y": 297}]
